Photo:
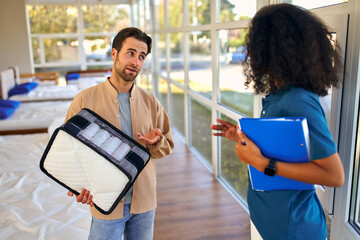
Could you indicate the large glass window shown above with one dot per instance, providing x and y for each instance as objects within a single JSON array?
[
  {"x": 57, "y": 38},
  {"x": 52, "y": 19},
  {"x": 199, "y": 12},
  {"x": 232, "y": 170},
  {"x": 200, "y": 129},
  {"x": 61, "y": 49},
  {"x": 163, "y": 92},
  {"x": 177, "y": 108},
  {"x": 161, "y": 47},
  {"x": 160, "y": 13},
  {"x": 233, "y": 93},
  {"x": 97, "y": 48},
  {"x": 200, "y": 72},
  {"x": 105, "y": 18},
  {"x": 35, "y": 45},
  {"x": 176, "y": 58},
  {"x": 175, "y": 10},
  {"x": 234, "y": 10}
]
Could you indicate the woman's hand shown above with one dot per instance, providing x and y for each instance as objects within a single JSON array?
[
  {"x": 84, "y": 197},
  {"x": 226, "y": 129},
  {"x": 248, "y": 152}
]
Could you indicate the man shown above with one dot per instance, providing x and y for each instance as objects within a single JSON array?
[{"x": 141, "y": 116}]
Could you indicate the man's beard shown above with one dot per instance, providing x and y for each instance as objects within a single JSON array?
[{"x": 125, "y": 76}]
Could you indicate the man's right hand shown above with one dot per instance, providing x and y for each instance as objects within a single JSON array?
[{"x": 84, "y": 197}]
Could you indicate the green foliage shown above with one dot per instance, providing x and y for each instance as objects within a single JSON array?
[
  {"x": 52, "y": 19},
  {"x": 105, "y": 18}
]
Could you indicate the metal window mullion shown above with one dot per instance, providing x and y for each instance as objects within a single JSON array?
[
  {"x": 42, "y": 51},
  {"x": 187, "y": 102},
  {"x": 169, "y": 97},
  {"x": 80, "y": 36},
  {"x": 216, "y": 156}
]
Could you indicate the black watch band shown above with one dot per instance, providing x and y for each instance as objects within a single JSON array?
[{"x": 270, "y": 169}]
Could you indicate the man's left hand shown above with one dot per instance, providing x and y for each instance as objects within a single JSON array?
[{"x": 151, "y": 137}]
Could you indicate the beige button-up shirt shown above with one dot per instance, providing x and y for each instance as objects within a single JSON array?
[{"x": 146, "y": 114}]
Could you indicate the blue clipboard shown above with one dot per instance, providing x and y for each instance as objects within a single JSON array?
[{"x": 284, "y": 139}]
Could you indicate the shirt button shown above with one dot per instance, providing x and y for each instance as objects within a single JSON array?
[
  {"x": 118, "y": 116},
  {"x": 263, "y": 112}
]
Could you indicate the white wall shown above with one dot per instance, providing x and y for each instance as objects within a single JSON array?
[{"x": 14, "y": 42}]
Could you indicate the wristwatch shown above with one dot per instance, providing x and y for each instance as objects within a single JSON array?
[{"x": 270, "y": 169}]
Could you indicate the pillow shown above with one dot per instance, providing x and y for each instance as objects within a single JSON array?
[
  {"x": 7, "y": 82},
  {"x": 72, "y": 76},
  {"x": 6, "y": 112},
  {"x": 22, "y": 88},
  {"x": 9, "y": 103}
]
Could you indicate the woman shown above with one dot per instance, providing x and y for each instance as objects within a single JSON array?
[{"x": 290, "y": 59}]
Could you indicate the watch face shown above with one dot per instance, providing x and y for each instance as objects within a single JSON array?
[{"x": 269, "y": 171}]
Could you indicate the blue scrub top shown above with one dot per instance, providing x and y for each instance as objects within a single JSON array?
[{"x": 285, "y": 214}]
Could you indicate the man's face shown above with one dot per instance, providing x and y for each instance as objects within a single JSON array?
[{"x": 129, "y": 61}]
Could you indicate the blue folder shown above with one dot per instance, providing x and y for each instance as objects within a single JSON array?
[{"x": 284, "y": 139}]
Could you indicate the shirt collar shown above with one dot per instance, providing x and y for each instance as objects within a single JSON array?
[{"x": 113, "y": 91}]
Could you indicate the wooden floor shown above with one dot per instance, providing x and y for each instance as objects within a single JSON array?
[{"x": 192, "y": 204}]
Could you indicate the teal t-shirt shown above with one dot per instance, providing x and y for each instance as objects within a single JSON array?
[
  {"x": 285, "y": 214},
  {"x": 126, "y": 127}
]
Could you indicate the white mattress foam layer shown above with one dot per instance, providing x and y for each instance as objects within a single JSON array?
[
  {"x": 85, "y": 169},
  {"x": 111, "y": 144},
  {"x": 121, "y": 151},
  {"x": 90, "y": 130},
  {"x": 100, "y": 137}
]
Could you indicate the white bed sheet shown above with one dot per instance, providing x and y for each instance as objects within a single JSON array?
[
  {"x": 32, "y": 206},
  {"x": 47, "y": 91},
  {"x": 35, "y": 115}
]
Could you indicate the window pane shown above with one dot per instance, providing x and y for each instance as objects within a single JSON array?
[
  {"x": 160, "y": 13},
  {"x": 178, "y": 108},
  {"x": 161, "y": 44},
  {"x": 97, "y": 49},
  {"x": 310, "y": 4},
  {"x": 141, "y": 15},
  {"x": 355, "y": 200},
  {"x": 175, "y": 13},
  {"x": 163, "y": 91},
  {"x": 199, "y": 12},
  {"x": 61, "y": 49},
  {"x": 147, "y": 16},
  {"x": 200, "y": 71},
  {"x": 200, "y": 129},
  {"x": 105, "y": 18},
  {"x": 135, "y": 16},
  {"x": 234, "y": 10},
  {"x": 326, "y": 100},
  {"x": 52, "y": 19},
  {"x": 232, "y": 170},
  {"x": 35, "y": 45},
  {"x": 233, "y": 93},
  {"x": 176, "y": 57},
  {"x": 143, "y": 81}
]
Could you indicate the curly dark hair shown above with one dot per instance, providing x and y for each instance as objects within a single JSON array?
[{"x": 288, "y": 45}]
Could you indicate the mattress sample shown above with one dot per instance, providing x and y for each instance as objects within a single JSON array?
[{"x": 88, "y": 152}]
